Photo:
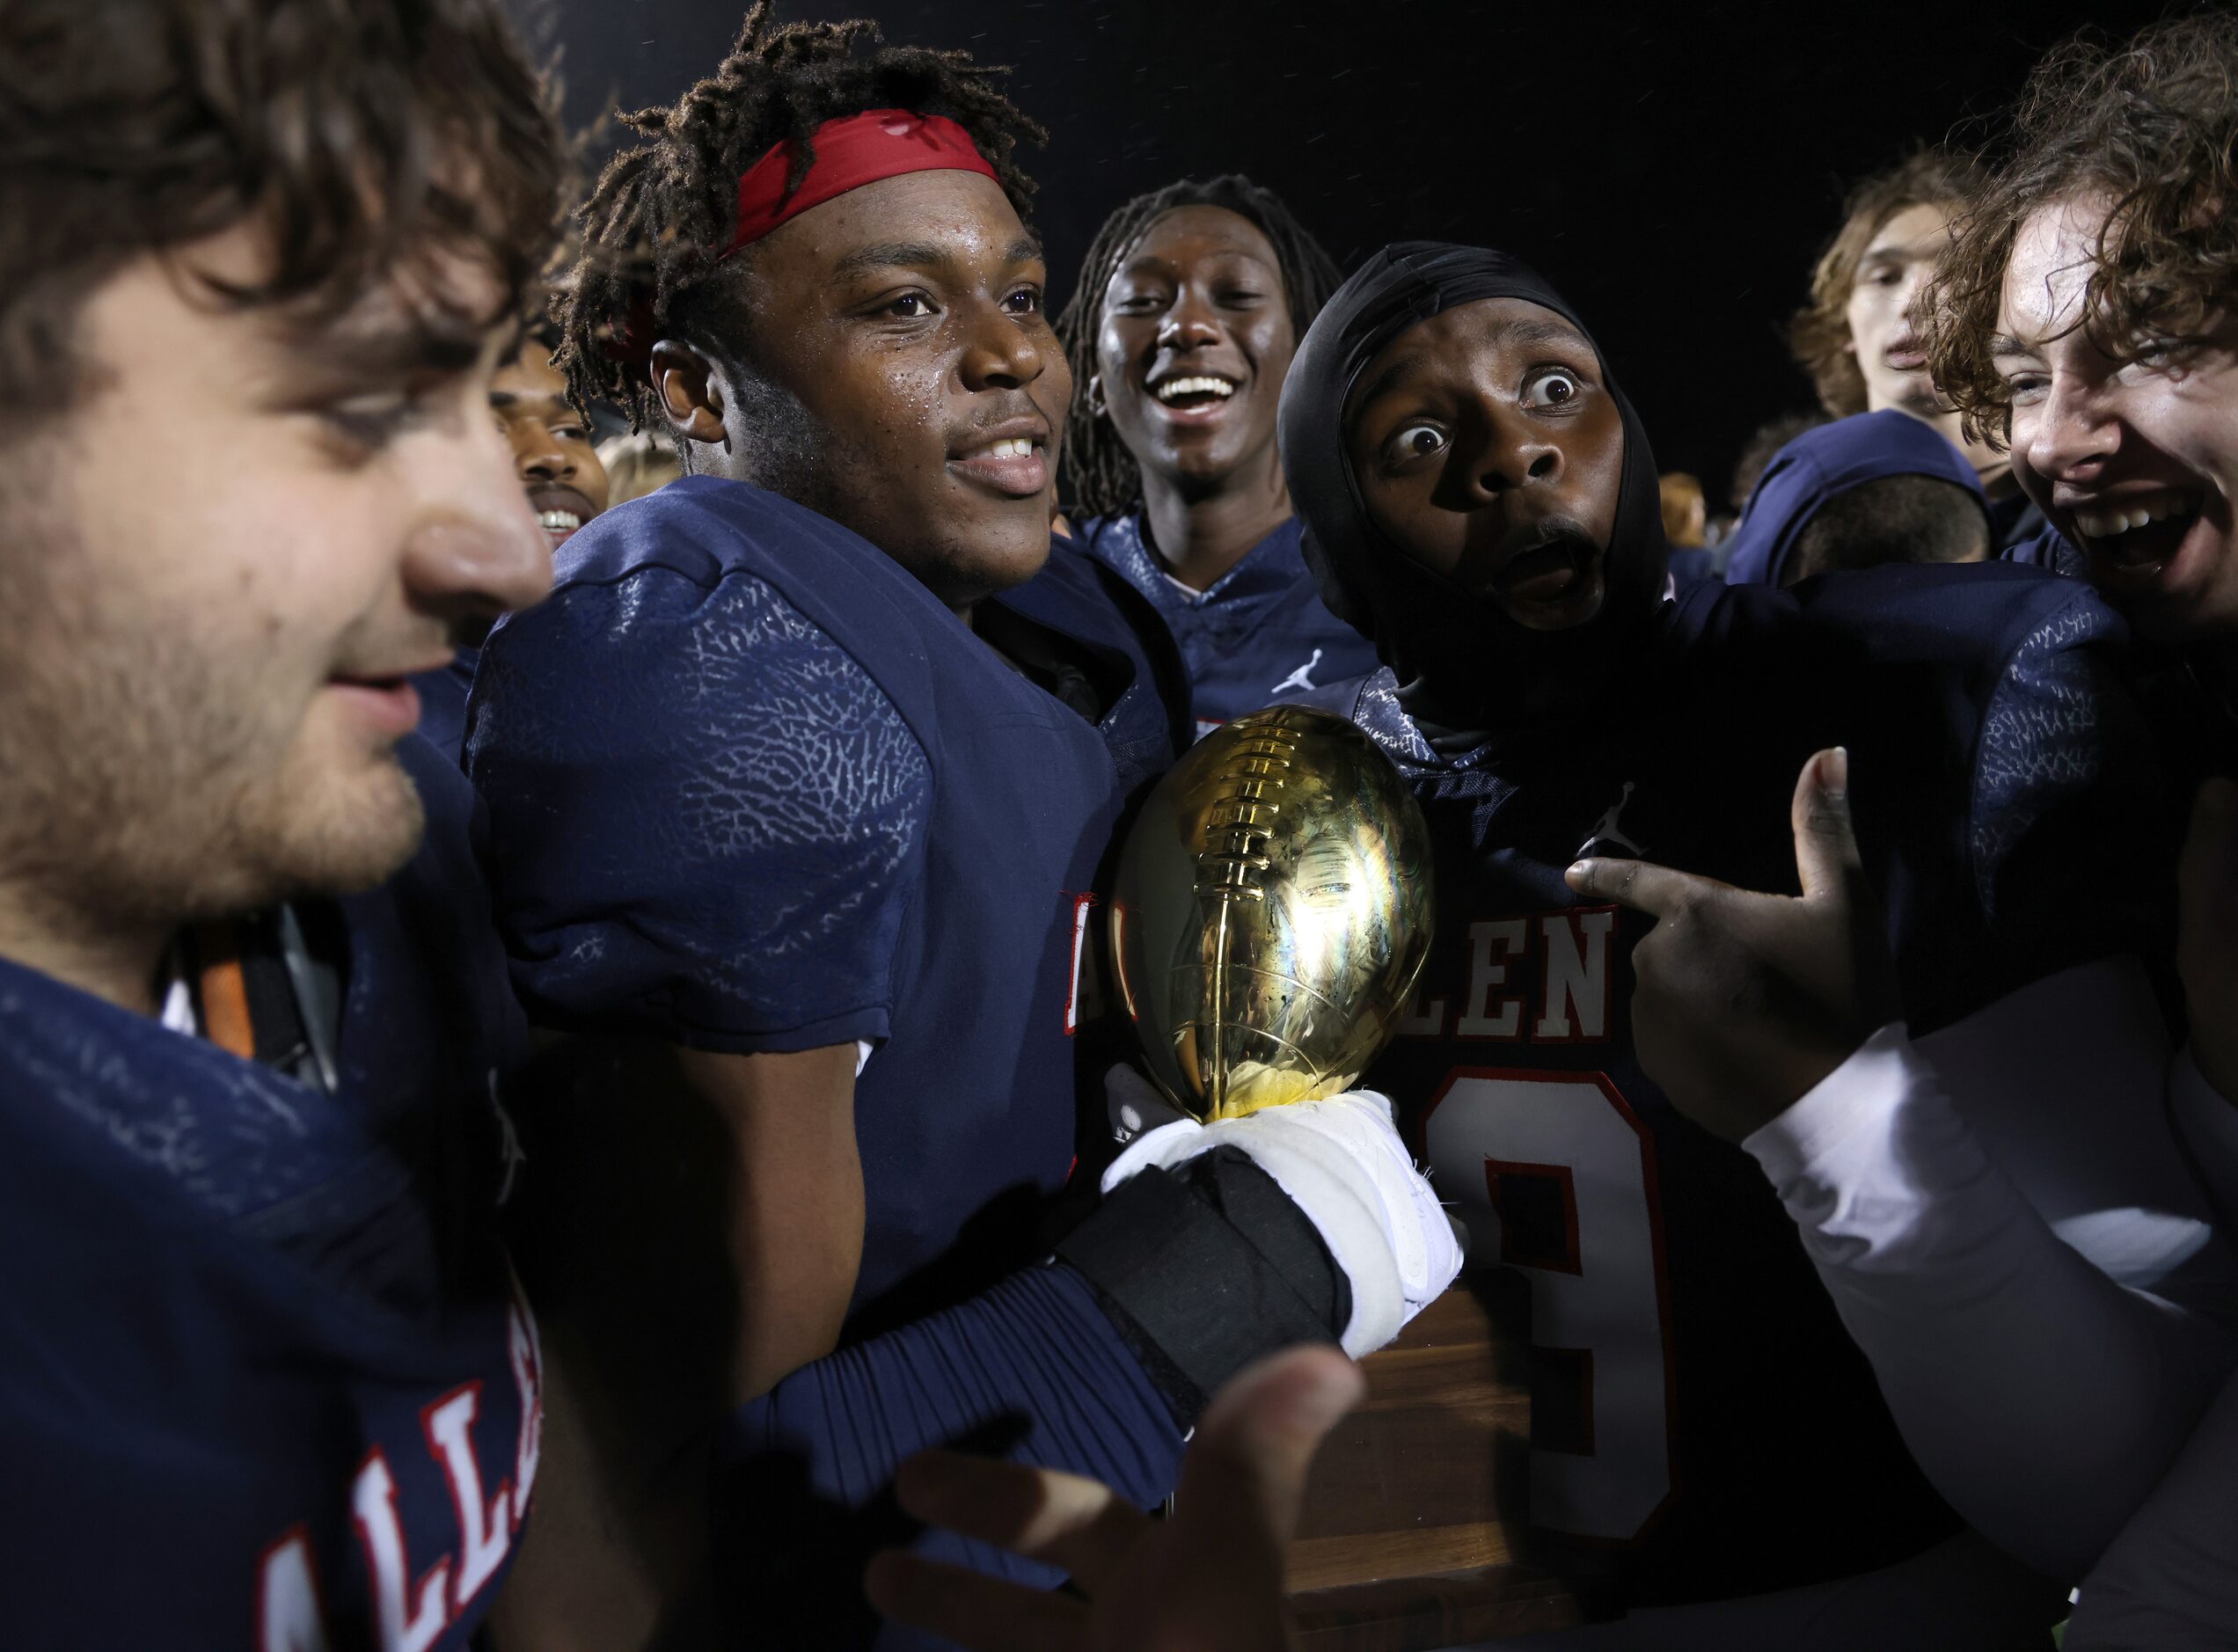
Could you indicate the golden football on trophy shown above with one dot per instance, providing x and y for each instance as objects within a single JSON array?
[{"x": 1272, "y": 910}]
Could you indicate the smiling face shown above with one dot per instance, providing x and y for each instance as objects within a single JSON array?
[
  {"x": 2132, "y": 449},
  {"x": 552, "y": 452},
  {"x": 910, "y": 386},
  {"x": 208, "y": 659},
  {"x": 1194, "y": 341},
  {"x": 1487, "y": 448}
]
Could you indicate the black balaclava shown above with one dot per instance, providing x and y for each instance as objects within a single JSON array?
[{"x": 1468, "y": 673}]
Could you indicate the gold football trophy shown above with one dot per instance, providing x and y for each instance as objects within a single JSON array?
[{"x": 1272, "y": 910}]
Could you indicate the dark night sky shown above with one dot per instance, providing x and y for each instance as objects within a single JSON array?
[{"x": 1673, "y": 168}]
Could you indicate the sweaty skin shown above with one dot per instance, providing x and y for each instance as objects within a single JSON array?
[
  {"x": 1200, "y": 295},
  {"x": 1486, "y": 448},
  {"x": 899, "y": 331}
]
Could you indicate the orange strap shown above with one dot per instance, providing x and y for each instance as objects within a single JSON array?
[{"x": 224, "y": 991}]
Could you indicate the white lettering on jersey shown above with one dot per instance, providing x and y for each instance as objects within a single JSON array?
[
  {"x": 486, "y": 1529},
  {"x": 1576, "y": 975},
  {"x": 405, "y": 1625},
  {"x": 528, "y": 1376},
  {"x": 1490, "y": 943},
  {"x": 1566, "y": 1149},
  {"x": 289, "y": 1619},
  {"x": 1301, "y": 678},
  {"x": 1081, "y": 905},
  {"x": 1421, "y": 1016}
]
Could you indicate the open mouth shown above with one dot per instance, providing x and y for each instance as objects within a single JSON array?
[
  {"x": 1552, "y": 584},
  {"x": 388, "y": 706},
  {"x": 2136, "y": 538},
  {"x": 1191, "y": 397},
  {"x": 1016, "y": 466},
  {"x": 559, "y": 510},
  {"x": 558, "y": 523}
]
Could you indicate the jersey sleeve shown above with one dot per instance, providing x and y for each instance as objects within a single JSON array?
[
  {"x": 2004, "y": 1222},
  {"x": 2066, "y": 835},
  {"x": 704, "y": 815}
]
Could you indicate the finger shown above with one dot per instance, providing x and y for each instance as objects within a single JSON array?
[
  {"x": 972, "y": 1609},
  {"x": 1078, "y": 1524},
  {"x": 1826, "y": 857},
  {"x": 1639, "y": 884},
  {"x": 1245, "y": 1473}
]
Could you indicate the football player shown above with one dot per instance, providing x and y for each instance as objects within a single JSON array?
[
  {"x": 268, "y": 1383},
  {"x": 1482, "y": 500},
  {"x": 1898, "y": 1156},
  {"x": 1189, "y": 306},
  {"x": 798, "y": 787},
  {"x": 565, "y": 482}
]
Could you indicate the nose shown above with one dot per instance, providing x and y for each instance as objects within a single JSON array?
[
  {"x": 1516, "y": 452},
  {"x": 2069, "y": 433},
  {"x": 476, "y": 552},
  {"x": 538, "y": 455},
  {"x": 1002, "y": 353},
  {"x": 1191, "y": 323}
]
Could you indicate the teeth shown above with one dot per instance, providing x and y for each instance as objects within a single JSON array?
[
  {"x": 1013, "y": 447},
  {"x": 559, "y": 521},
  {"x": 2107, "y": 524},
  {"x": 1200, "y": 385}
]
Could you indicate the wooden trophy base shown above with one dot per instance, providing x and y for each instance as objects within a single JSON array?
[{"x": 1414, "y": 1515}]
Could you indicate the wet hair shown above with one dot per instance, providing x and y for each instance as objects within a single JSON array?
[
  {"x": 663, "y": 211},
  {"x": 367, "y": 140},
  {"x": 1892, "y": 519},
  {"x": 1818, "y": 333},
  {"x": 1101, "y": 475},
  {"x": 1762, "y": 448},
  {"x": 2152, "y": 125}
]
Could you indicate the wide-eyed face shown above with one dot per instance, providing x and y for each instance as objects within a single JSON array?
[
  {"x": 2130, "y": 446},
  {"x": 1196, "y": 338},
  {"x": 1487, "y": 448},
  {"x": 901, "y": 377},
  {"x": 225, "y": 564},
  {"x": 552, "y": 452}
]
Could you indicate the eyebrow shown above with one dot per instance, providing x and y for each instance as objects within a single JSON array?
[
  {"x": 2004, "y": 344},
  {"x": 1526, "y": 330},
  {"x": 515, "y": 398},
  {"x": 392, "y": 347},
  {"x": 921, "y": 255}
]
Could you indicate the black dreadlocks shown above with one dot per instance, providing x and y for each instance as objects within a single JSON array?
[
  {"x": 1100, "y": 474},
  {"x": 662, "y": 211}
]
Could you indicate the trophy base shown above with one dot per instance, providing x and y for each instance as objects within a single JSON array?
[{"x": 1413, "y": 1529}]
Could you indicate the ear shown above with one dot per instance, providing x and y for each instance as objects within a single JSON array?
[
  {"x": 691, "y": 395},
  {"x": 1096, "y": 408}
]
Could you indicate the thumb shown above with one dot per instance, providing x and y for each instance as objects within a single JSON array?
[
  {"x": 1825, "y": 840},
  {"x": 1245, "y": 1474}
]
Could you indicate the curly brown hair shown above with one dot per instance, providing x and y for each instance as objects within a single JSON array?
[
  {"x": 2150, "y": 126},
  {"x": 364, "y": 137},
  {"x": 1818, "y": 333},
  {"x": 654, "y": 227}
]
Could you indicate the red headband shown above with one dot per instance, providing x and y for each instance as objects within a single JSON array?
[{"x": 850, "y": 152}]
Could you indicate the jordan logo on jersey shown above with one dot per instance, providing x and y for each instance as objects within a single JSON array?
[
  {"x": 1301, "y": 678},
  {"x": 1606, "y": 829}
]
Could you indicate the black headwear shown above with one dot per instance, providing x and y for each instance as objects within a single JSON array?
[{"x": 1466, "y": 669}]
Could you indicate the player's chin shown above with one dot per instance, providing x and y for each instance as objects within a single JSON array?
[
  {"x": 345, "y": 824},
  {"x": 1004, "y": 541}
]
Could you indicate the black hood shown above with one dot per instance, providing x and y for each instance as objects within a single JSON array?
[{"x": 1468, "y": 672}]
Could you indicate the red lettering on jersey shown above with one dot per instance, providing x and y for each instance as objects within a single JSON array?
[
  {"x": 486, "y": 1529},
  {"x": 1489, "y": 944},
  {"x": 1576, "y": 976},
  {"x": 288, "y": 1615},
  {"x": 528, "y": 1377},
  {"x": 408, "y": 1621}
]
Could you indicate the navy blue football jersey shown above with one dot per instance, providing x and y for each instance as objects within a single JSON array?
[
  {"x": 1260, "y": 635},
  {"x": 1702, "y": 1426},
  {"x": 751, "y": 787},
  {"x": 443, "y": 702},
  {"x": 268, "y": 1384}
]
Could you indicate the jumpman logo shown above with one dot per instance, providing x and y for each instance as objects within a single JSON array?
[
  {"x": 1606, "y": 831},
  {"x": 1301, "y": 678}
]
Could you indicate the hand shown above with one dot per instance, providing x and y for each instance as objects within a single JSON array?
[
  {"x": 1743, "y": 1002},
  {"x": 1208, "y": 1579},
  {"x": 1343, "y": 1164},
  {"x": 2206, "y": 940}
]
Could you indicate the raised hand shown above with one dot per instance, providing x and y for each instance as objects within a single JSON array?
[
  {"x": 1744, "y": 1001},
  {"x": 1208, "y": 1579},
  {"x": 2206, "y": 944}
]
